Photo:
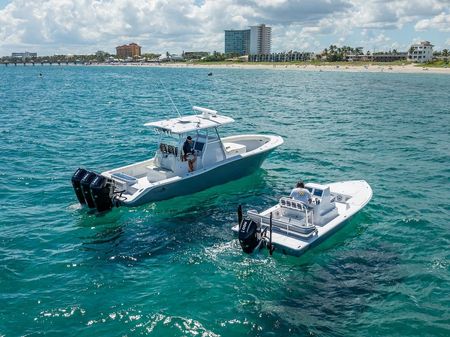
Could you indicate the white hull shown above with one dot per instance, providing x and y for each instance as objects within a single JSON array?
[{"x": 349, "y": 198}]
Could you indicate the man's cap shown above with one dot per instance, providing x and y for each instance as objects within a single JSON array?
[{"x": 189, "y": 138}]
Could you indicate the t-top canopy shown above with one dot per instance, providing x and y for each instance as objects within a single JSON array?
[{"x": 208, "y": 119}]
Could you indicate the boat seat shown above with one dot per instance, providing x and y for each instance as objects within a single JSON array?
[{"x": 234, "y": 149}]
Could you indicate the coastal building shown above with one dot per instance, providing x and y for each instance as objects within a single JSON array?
[
  {"x": 256, "y": 40},
  {"x": 378, "y": 57},
  {"x": 101, "y": 53},
  {"x": 354, "y": 57},
  {"x": 421, "y": 52},
  {"x": 128, "y": 50},
  {"x": 260, "y": 39},
  {"x": 23, "y": 56},
  {"x": 237, "y": 41},
  {"x": 195, "y": 55},
  {"x": 281, "y": 57},
  {"x": 400, "y": 56},
  {"x": 167, "y": 57}
]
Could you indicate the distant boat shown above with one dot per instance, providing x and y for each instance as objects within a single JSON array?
[
  {"x": 209, "y": 74},
  {"x": 167, "y": 175}
]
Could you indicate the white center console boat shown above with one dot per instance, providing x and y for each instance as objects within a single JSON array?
[
  {"x": 293, "y": 226},
  {"x": 166, "y": 175}
]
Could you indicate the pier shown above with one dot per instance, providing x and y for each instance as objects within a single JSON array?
[{"x": 43, "y": 63}]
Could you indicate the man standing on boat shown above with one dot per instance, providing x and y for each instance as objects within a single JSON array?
[
  {"x": 189, "y": 153},
  {"x": 300, "y": 193}
]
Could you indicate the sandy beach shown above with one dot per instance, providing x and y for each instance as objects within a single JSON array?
[{"x": 375, "y": 68}]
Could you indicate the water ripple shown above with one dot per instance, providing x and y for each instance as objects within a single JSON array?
[{"x": 174, "y": 268}]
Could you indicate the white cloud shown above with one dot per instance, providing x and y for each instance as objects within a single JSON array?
[
  {"x": 71, "y": 26},
  {"x": 440, "y": 22}
]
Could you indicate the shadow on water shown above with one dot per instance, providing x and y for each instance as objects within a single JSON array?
[
  {"x": 134, "y": 234},
  {"x": 341, "y": 276}
]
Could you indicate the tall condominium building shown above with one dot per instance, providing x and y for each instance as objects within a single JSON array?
[
  {"x": 237, "y": 42},
  {"x": 421, "y": 52},
  {"x": 257, "y": 40},
  {"x": 260, "y": 39},
  {"x": 128, "y": 50}
]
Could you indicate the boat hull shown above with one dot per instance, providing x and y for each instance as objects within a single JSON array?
[
  {"x": 314, "y": 242},
  {"x": 202, "y": 180}
]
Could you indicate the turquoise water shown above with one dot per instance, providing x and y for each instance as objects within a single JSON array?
[{"x": 173, "y": 268}]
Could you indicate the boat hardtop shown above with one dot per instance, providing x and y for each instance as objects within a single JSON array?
[
  {"x": 166, "y": 174},
  {"x": 184, "y": 124},
  {"x": 293, "y": 226}
]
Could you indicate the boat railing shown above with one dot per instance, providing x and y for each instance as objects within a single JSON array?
[
  {"x": 287, "y": 228},
  {"x": 298, "y": 206}
]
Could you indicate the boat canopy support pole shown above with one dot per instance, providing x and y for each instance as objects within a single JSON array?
[
  {"x": 204, "y": 147},
  {"x": 270, "y": 235},
  {"x": 221, "y": 144}
]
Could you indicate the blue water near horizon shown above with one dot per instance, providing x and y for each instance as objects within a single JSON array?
[{"x": 174, "y": 268}]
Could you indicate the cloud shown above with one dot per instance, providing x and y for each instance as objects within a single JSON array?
[
  {"x": 83, "y": 26},
  {"x": 440, "y": 22}
]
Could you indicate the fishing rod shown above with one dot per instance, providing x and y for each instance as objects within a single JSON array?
[{"x": 170, "y": 97}]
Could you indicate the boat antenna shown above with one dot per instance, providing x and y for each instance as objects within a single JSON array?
[{"x": 170, "y": 97}]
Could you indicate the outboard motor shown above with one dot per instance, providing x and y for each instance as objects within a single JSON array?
[
  {"x": 102, "y": 191},
  {"x": 249, "y": 235},
  {"x": 85, "y": 187},
  {"x": 76, "y": 183}
]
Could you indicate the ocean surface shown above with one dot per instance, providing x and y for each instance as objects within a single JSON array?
[{"x": 174, "y": 268}]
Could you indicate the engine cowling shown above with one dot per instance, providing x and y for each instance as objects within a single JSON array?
[{"x": 249, "y": 235}]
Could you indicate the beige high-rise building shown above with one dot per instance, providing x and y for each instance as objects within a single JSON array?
[{"x": 260, "y": 39}]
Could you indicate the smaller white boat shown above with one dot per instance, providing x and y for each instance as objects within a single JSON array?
[{"x": 292, "y": 226}]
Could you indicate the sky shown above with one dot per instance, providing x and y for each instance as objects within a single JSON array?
[{"x": 51, "y": 27}]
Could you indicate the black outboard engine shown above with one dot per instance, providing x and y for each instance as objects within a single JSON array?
[
  {"x": 249, "y": 235},
  {"x": 85, "y": 187},
  {"x": 102, "y": 190},
  {"x": 76, "y": 183}
]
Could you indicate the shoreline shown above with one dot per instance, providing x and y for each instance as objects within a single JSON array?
[{"x": 370, "y": 68}]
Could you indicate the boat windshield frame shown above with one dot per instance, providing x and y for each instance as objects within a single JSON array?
[{"x": 203, "y": 136}]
